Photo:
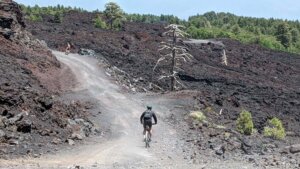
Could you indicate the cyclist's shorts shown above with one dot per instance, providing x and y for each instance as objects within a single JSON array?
[{"x": 148, "y": 123}]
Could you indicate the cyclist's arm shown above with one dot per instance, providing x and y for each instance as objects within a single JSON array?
[
  {"x": 155, "y": 119},
  {"x": 142, "y": 116}
]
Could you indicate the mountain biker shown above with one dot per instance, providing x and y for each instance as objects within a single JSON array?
[
  {"x": 68, "y": 48},
  {"x": 146, "y": 120}
]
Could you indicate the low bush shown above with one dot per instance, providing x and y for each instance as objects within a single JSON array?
[
  {"x": 35, "y": 18},
  {"x": 57, "y": 17},
  {"x": 245, "y": 123},
  {"x": 198, "y": 115},
  {"x": 275, "y": 129},
  {"x": 270, "y": 42},
  {"x": 99, "y": 23}
]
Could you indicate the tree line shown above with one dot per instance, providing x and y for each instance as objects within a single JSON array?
[
  {"x": 271, "y": 33},
  {"x": 36, "y": 12}
]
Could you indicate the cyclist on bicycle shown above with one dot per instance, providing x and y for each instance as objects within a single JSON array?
[
  {"x": 68, "y": 48},
  {"x": 146, "y": 120}
]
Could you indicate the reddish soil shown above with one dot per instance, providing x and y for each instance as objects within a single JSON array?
[{"x": 33, "y": 119}]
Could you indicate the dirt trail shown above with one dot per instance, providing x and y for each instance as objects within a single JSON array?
[{"x": 124, "y": 147}]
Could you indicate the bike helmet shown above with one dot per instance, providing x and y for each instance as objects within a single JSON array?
[{"x": 149, "y": 107}]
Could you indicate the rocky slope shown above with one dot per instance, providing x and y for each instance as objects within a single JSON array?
[
  {"x": 262, "y": 81},
  {"x": 35, "y": 119},
  {"x": 32, "y": 118}
]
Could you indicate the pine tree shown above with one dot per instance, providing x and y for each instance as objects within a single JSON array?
[
  {"x": 295, "y": 35},
  {"x": 283, "y": 34},
  {"x": 113, "y": 12}
]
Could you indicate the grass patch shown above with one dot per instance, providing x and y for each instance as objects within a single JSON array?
[{"x": 198, "y": 115}]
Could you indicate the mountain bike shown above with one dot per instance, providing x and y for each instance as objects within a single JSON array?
[
  {"x": 148, "y": 136},
  {"x": 67, "y": 52}
]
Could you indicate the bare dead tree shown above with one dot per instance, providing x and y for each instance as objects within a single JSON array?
[
  {"x": 224, "y": 57},
  {"x": 176, "y": 56}
]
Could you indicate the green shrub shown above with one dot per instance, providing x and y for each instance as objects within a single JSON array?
[
  {"x": 270, "y": 42},
  {"x": 245, "y": 123},
  {"x": 205, "y": 33},
  {"x": 201, "y": 33},
  {"x": 246, "y": 37},
  {"x": 35, "y": 18},
  {"x": 275, "y": 129},
  {"x": 225, "y": 34},
  {"x": 117, "y": 24},
  {"x": 99, "y": 23},
  {"x": 295, "y": 48},
  {"x": 198, "y": 115},
  {"x": 57, "y": 17}
]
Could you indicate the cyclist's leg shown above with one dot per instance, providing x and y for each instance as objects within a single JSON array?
[
  {"x": 144, "y": 125},
  {"x": 144, "y": 131},
  {"x": 147, "y": 126},
  {"x": 150, "y": 129}
]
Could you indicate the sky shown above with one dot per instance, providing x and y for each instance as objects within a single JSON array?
[{"x": 283, "y": 9}]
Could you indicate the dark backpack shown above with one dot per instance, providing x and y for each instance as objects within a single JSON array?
[{"x": 147, "y": 115}]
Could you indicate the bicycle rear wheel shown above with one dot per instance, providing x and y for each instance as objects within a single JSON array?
[{"x": 147, "y": 140}]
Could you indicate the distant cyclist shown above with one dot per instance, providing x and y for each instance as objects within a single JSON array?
[
  {"x": 68, "y": 48},
  {"x": 146, "y": 120}
]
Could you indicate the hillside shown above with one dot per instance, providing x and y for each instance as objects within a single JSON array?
[
  {"x": 51, "y": 101},
  {"x": 256, "y": 79},
  {"x": 272, "y": 33},
  {"x": 32, "y": 117},
  {"x": 262, "y": 81}
]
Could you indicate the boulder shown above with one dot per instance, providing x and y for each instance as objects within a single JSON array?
[
  {"x": 11, "y": 18},
  {"x": 47, "y": 103},
  {"x": 81, "y": 127},
  {"x": 12, "y": 121},
  {"x": 56, "y": 141},
  {"x": 2, "y": 125},
  {"x": 295, "y": 148},
  {"x": 2, "y": 135},
  {"x": 88, "y": 52},
  {"x": 13, "y": 142},
  {"x": 2, "y": 109},
  {"x": 220, "y": 151},
  {"x": 70, "y": 142},
  {"x": 79, "y": 121},
  {"x": 285, "y": 150},
  {"x": 77, "y": 136},
  {"x": 24, "y": 126}
]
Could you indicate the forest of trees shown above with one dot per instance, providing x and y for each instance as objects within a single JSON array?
[
  {"x": 35, "y": 13},
  {"x": 271, "y": 33}
]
